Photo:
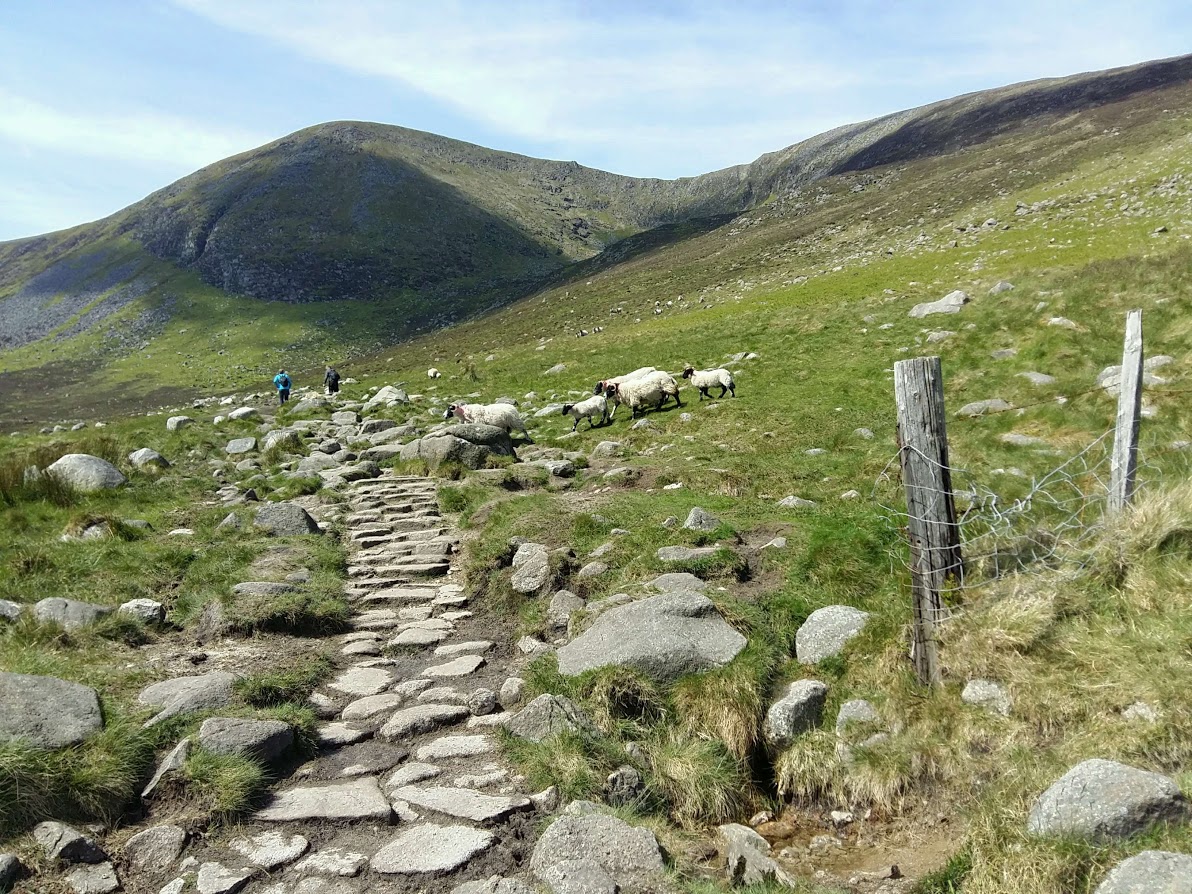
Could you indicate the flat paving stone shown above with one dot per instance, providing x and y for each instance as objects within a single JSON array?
[
  {"x": 336, "y": 735},
  {"x": 460, "y": 667},
  {"x": 360, "y": 799},
  {"x": 270, "y": 849},
  {"x": 431, "y": 848},
  {"x": 455, "y": 746},
  {"x": 421, "y": 719},
  {"x": 463, "y": 803},
  {"x": 418, "y": 637},
  {"x": 475, "y": 647},
  {"x": 363, "y": 681},
  {"x": 371, "y": 705},
  {"x": 410, "y": 773},
  {"x": 334, "y": 861},
  {"x": 215, "y": 878}
]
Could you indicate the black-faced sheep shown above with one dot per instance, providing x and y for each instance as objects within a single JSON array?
[
  {"x": 652, "y": 389},
  {"x": 589, "y": 409},
  {"x": 703, "y": 379}
]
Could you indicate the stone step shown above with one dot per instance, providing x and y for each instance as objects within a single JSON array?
[{"x": 416, "y": 566}]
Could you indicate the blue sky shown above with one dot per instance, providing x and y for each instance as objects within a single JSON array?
[{"x": 104, "y": 101}]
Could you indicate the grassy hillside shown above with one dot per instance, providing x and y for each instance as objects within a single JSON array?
[{"x": 343, "y": 238}]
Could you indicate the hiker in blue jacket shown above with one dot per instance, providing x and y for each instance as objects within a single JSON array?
[{"x": 282, "y": 382}]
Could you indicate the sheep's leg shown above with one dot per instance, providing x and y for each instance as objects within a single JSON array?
[
  {"x": 575, "y": 424},
  {"x": 677, "y": 401},
  {"x": 703, "y": 392},
  {"x": 723, "y": 389}
]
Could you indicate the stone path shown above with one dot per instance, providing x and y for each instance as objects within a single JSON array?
[{"x": 409, "y": 786}]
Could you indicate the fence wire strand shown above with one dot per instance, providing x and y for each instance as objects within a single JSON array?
[{"x": 1046, "y": 522}]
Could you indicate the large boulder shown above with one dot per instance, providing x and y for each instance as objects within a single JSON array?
[
  {"x": 1101, "y": 800},
  {"x": 176, "y": 423},
  {"x": 70, "y": 614},
  {"x": 547, "y": 716},
  {"x": 239, "y": 446},
  {"x": 285, "y": 520},
  {"x": 796, "y": 712},
  {"x": 663, "y": 637},
  {"x": 435, "y": 450},
  {"x": 389, "y": 396},
  {"x": 62, "y": 842},
  {"x": 47, "y": 712},
  {"x": 630, "y": 856},
  {"x": 265, "y": 740},
  {"x": 826, "y": 631},
  {"x": 1150, "y": 872},
  {"x": 86, "y": 473}
]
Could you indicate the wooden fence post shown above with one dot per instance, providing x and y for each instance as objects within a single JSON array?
[
  {"x": 1124, "y": 464},
  {"x": 931, "y": 510}
]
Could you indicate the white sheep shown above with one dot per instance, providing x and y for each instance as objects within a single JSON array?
[
  {"x": 500, "y": 415},
  {"x": 654, "y": 389},
  {"x": 703, "y": 379},
  {"x": 433, "y": 373},
  {"x": 597, "y": 405},
  {"x": 604, "y": 384}
]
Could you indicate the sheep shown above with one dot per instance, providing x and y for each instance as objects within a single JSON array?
[
  {"x": 703, "y": 379},
  {"x": 501, "y": 415},
  {"x": 433, "y": 373},
  {"x": 654, "y": 388},
  {"x": 596, "y": 405},
  {"x": 604, "y": 384}
]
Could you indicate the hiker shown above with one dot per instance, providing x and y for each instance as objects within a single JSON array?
[
  {"x": 331, "y": 380},
  {"x": 282, "y": 381}
]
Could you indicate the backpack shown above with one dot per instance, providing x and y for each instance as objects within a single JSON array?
[
  {"x": 333, "y": 377},
  {"x": 285, "y": 382}
]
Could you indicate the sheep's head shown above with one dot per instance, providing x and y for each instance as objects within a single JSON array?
[
  {"x": 599, "y": 387},
  {"x": 612, "y": 390},
  {"x": 567, "y": 408},
  {"x": 454, "y": 410},
  {"x": 688, "y": 371}
]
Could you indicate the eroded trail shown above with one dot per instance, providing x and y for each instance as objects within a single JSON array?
[{"x": 409, "y": 787}]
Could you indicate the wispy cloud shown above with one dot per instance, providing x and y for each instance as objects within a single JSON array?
[
  {"x": 143, "y": 137},
  {"x": 647, "y": 78}
]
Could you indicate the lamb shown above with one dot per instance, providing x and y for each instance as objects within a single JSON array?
[
  {"x": 703, "y": 379},
  {"x": 654, "y": 388},
  {"x": 594, "y": 406},
  {"x": 500, "y": 415},
  {"x": 433, "y": 373}
]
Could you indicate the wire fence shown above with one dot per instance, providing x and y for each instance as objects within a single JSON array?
[{"x": 1010, "y": 523}]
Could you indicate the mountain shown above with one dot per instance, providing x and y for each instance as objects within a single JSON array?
[{"x": 347, "y": 237}]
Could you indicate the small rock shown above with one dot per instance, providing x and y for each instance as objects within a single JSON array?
[
  {"x": 700, "y": 520},
  {"x": 623, "y": 787},
  {"x": 215, "y": 878},
  {"x": 62, "y": 842},
  {"x": 98, "y": 879},
  {"x": 155, "y": 849},
  {"x": 826, "y": 631},
  {"x": 799, "y": 710},
  {"x": 270, "y": 850},
  {"x": 987, "y": 694}
]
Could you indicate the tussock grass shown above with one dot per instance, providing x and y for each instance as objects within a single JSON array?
[
  {"x": 576, "y": 763},
  {"x": 315, "y": 609},
  {"x": 222, "y": 786},
  {"x": 95, "y": 780},
  {"x": 278, "y": 687},
  {"x": 699, "y": 780}
]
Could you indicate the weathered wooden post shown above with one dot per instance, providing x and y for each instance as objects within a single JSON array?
[
  {"x": 1124, "y": 464},
  {"x": 931, "y": 510}
]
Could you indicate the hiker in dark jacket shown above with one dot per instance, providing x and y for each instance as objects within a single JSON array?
[
  {"x": 282, "y": 382},
  {"x": 331, "y": 380}
]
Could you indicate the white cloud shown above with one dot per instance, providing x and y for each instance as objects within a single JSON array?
[
  {"x": 148, "y": 138},
  {"x": 643, "y": 85}
]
